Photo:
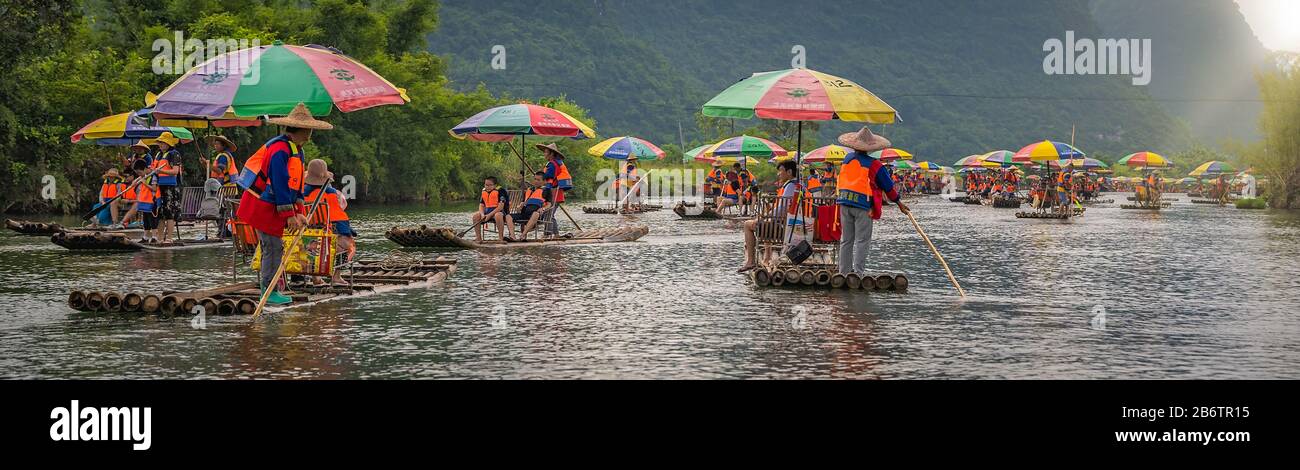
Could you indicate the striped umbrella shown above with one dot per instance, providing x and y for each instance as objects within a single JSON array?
[
  {"x": 1083, "y": 164},
  {"x": 969, "y": 161},
  {"x": 1004, "y": 158},
  {"x": 727, "y": 159},
  {"x": 928, "y": 166},
  {"x": 800, "y": 95},
  {"x": 1212, "y": 168},
  {"x": 125, "y": 129},
  {"x": 831, "y": 153},
  {"x": 903, "y": 165},
  {"x": 891, "y": 154},
  {"x": 620, "y": 148},
  {"x": 1047, "y": 151},
  {"x": 271, "y": 80},
  {"x": 502, "y": 123},
  {"x": 1145, "y": 160},
  {"x": 746, "y": 145}
]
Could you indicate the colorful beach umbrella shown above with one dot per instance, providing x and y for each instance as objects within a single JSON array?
[
  {"x": 902, "y": 165},
  {"x": 726, "y": 159},
  {"x": 1145, "y": 160},
  {"x": 829, "y": 153},
  {"x": 271, "y": 80},
  {"x": 746, "y": 145},
  {"x": 125, "y": 129},
  {"x": 891, "y": 154},
  {"x": 1212, "y": 168},
  {"x": 1083, "y": 164},
  {"x": 969, "y": 161},
  {"x": 928, "y": 166},
  {"x": 1004, "y": 158},
  {"x": 502, "y": 123},
  {"x": 1047, "y": 151},
  {"x": 800, "y": 95},
  {"x": 620, "y": 148}
]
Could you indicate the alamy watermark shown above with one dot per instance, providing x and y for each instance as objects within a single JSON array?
[
  {"x": 1085, "y": 56},
  {"x": 178, "y": 54}
]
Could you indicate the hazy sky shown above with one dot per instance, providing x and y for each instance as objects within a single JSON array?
[{"x": 1276, "y": 22}]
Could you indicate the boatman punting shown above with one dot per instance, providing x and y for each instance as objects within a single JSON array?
[
  {"x": 863, "y": 184},
  {"x": 222, "y": 166},
  {"x": 557, "y": 175},
  {"x": 273, "y": 199}
]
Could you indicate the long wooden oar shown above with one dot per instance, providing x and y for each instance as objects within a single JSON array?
[
  {"x": 119, "y": 195},
  {"x": 619, "y": 205},
  {"x": 288, "y": 251},
  {"x": 936, "y": 254}
]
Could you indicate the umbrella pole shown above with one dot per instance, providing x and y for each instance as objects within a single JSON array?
[{"x": 528, "y": 167}]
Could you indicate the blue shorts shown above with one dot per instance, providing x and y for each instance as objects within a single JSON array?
[
  {"x": 343, "y": 228},
  {"x": 145, "y": 207},
  {"x": 732, "y": 197}
]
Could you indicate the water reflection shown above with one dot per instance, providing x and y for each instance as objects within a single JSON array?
[{"x": 1191, "y": 292}]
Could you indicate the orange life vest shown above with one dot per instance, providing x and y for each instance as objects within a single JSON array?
[
  {"x": 110, "y": 188},
  {"x": 230, "y": 172},
  {"x": 332, "y": 201},
  {"x": 534, "y": 197},
  {"x": 490, "y": 199}
]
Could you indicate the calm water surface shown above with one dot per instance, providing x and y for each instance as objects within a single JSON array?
[{"x": 1190, "y": 292}]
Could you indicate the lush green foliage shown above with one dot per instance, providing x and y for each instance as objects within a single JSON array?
[
  {"x": 966, "y": 76},
  {"x": 1279, "y": 158},
  {"x": 71, "y": 62}
]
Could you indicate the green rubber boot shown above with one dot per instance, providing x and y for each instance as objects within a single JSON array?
[{"x": 276, "y": 298}]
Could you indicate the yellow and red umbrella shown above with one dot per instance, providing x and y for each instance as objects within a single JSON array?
[
  {"x": 891, "y": 154},
  {"x": 800, "y": 95},
  {"x": 1047, "y": 151},
  {"x": 1145, "y": 160},
  {"x": 831, "y": 153}
]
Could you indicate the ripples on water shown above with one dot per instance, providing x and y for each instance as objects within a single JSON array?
[{"x": 1190, "y": 292}]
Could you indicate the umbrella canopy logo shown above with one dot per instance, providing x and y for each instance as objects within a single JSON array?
[
  {"x": 797, "y": 93},
  {"x": 343, "y": 74},
  {"x": 215, "y": 78}
]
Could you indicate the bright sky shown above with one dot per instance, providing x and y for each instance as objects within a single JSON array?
[{"x": 1276, "y": 22}]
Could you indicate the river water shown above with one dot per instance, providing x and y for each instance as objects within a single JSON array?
[{"x": 1189, "y": 292}]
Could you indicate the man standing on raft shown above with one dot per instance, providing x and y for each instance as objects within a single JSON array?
[
  {"x": 863, "y": 183},
  {"x": 273, "y": 177}
]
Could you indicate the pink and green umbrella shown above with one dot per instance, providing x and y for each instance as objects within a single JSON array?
[
  {"x": 1004, "y": 158},
  {"x": 891, "y": 154},
  {"x": 969, "y": 161},
  {"x": 621, "y": 148},
  {"x": 903, "y": 165},
  {"x": 1145, "y": 160},
  {"x": 745, "y": 145},
  {"x": 1047, "y": 151},
  {"x": 271, "y": 80},
  {"x": 800, "y": 95},
  {"x": 502, "y": 123}
]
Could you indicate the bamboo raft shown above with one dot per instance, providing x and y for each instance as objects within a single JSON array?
[
  {"x": 124, "y": 241},
  {"x": 1210, "y": 201},
  {"x": 705, "y": 213},
  {"x": 366, "y": 278},
  {"x": 1002, "y": 203},
  {"x": 1134, "y": 198},
  {"x": 27, "y": 227},
  {"x": 615, "y": 210},
  {"x": 1153, "y": 207},
  {"x": 1097, "y": 201},
  {"x": 957, "y": 199},
  {"x": 825, "y": 277},
  {"x": 1050, "y": 215},
  {"x": 446, "y": 237}
]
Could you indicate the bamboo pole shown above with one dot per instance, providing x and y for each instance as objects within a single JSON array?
[
  {"x": 936, "y": 254},
  {"x": 288, "y": 250}
]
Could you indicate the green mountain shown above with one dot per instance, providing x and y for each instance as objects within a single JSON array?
[
  {"x": 1205, "y": 60},
  {"x": 966, "y": 76}
]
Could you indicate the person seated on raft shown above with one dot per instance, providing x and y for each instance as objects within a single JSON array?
[
  {"x": 492, "y": 205},
  {"x": 730, "y": 192},
  {"x": 536, "y": 205},
  {"x": 316, "y": 185},
  {"x": 789, "y": 188},
  {"x": 112, "y": 185}
]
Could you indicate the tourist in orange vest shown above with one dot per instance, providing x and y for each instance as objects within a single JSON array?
[
  {"x": 713, "y": 182},
  {"x": 316, "y": 185},
  {"x": 222, "y": 167},
  {"x": 536, "y": 203},
  {"x": 730, "y": 191},
  {"x": 168, "y": 164},
  {"x": 109, "y": 188},
  {"x": 863, "y": 184},
  {"x": 493, "y": 202},
  {"x": 273, "y": 200}
]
